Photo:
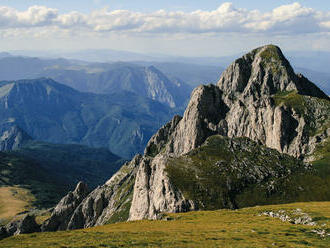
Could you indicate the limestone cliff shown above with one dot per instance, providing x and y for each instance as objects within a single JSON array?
[{"x": 258, "y": 97}]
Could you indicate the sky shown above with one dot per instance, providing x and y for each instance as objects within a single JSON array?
[{"x": 181, "y": 27}]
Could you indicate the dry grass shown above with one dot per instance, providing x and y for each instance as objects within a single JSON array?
[
  {"x": 223, "y": 228},
  {"x": 14, "y": 200}
]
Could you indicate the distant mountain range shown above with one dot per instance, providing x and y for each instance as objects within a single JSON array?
[
  {"x": 52, "y": 112},
  {"x": 93, "y": 76},
  {"x": 144, "y": 81},
  {"x": 321, "y": 79}
]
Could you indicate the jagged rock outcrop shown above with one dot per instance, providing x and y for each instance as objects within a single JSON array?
[
  {"x": 64, "y": 209},
  {"x": 107, "y": 203},
  {"x": 201, "y": 119},
  {"x": 247, "y": 101},
  {"x": 161, "y": 138},
  {"x": 258, "y": 97},
  {"x": 251, "y": 85},
  {"x": 25, "y": 225},
  {"x": 252, "y": 99},
  {"x": 154, "y": 193}
]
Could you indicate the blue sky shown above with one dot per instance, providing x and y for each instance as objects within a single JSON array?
[
  {"x": 189, "y": 28},
  {"x": 151, "y": 5}
]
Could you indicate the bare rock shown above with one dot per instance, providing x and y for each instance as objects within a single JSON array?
[
  {"x": 250, "y": 100},
  {"x": 81, "y": 210},
  {"x": 154, "y": 193},
  {"x": 61, "y": 215},
  {"x": 25, "y": 225}
]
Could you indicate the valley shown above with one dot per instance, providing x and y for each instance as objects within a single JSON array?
[
  {"x": 164, "y": 124},
  {"x": 258, "y": 137}
]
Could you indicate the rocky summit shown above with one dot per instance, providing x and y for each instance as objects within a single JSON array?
[{"x": 241, "y": 142}]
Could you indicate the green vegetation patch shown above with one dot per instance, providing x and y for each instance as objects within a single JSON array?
[
  {"x": 234, "y": 173},
  {"x": 292, "y": 100},
  {"x": 18, "y": 171},
  {"x": 315, "y": 111},
  {"x": 271, "y": 53},
  {"x": 271, "y": 58}
]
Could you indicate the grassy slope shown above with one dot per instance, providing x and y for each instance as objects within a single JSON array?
[
  {"x": 14, "y": 200},
  {"x": 42, "y": 173},
  {"x": 70, "y": 164},
  {"x": 217, "y": 175},
  {"x": 315, "y": 111},
  {"x": 21, "y": 172},
  {"x": 225, "y": 173},
  {"x": 222, "y": 228}
]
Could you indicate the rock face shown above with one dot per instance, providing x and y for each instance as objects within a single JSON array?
[
  {"x": 12, "y": 138},
  {"x": 107, "y": 203},
  {"x": 25, "y": 225},
  {"x": 258, "y": 97},
  {"x": 154, "y": 193},
  {"x": 64, "y": 209},
  {"x": 252, "y": 99}
]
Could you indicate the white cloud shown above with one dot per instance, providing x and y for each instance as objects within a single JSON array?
[
  {"x": 286, "y": 19},
  {"x": 32, "y": 17}
]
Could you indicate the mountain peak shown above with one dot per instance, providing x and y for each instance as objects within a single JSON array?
[{"x": 264, "y": 71}]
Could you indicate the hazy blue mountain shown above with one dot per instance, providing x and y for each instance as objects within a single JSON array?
[
  {"x": 109, "y": 78},
  {"x": 15, "y": 68},
  {"x": 106, "y": 77},
  {"x": 4, "y": 55},
  {"x": 313, "y": 60},
  {"x": 99, "y": 77},
  {"x": 191, "y": 74},
  {"x": 12, "y": 137},
  {"x": 52, "y": 112},
  {"x": 321, "y": 79}
]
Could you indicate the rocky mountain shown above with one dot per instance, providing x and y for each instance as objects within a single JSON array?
[
  {"x": 192, "y": 74},
  {"x": 242, "y": 142},
  {"x": 99, "y": 78},
  {"x": 51, "y": 112},
  {"x": 18, "y": 67},
  {"x": 143, "y": 81},
  {"x": 180, "y": 74}
]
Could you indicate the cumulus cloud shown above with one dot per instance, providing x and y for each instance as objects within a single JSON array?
[
  {"x": 32, "y": 17},
  {"x": 286, "y": 19}
]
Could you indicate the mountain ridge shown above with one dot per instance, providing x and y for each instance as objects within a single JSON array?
[
  {"x": 52, "y": 112},
  {"x": 259, "y": 98}
]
